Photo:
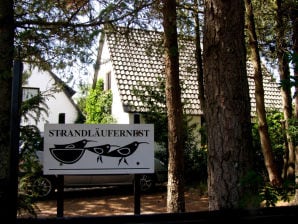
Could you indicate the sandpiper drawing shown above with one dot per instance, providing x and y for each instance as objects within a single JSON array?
[
  {"x": 72, "y": 152},
  {"x": 125, "y": 151}
]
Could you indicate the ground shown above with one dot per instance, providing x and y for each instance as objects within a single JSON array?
[{"x": 117, "y": 201}]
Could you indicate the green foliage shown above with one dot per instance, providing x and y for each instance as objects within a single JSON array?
[
  {"x": 269, "y": 195},
  {"x": 263, "y": 191},
  {"x": 98, "y": 105},
  {"x": 56, "y": 34},
  {"x": 266, "y": 28},
  {"x": 293, "y": 130},
  {"x": 26, "y": 204},
  {"x": 252, "y": 183},
  {"x": 81, "y": 100},
  {"x": 276, "y": 134},
  {"x": 155, "y": 99},
  {"x": 195, "y": 158},
  {"x": 29, "y": 167},
  {"x": 34, "y": 107},
  {"x": 259, "y": 191},
  {"x": 60, "y": 35},
  {"x": 30, "y": 141}
]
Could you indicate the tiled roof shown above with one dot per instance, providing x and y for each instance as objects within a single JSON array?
[
  {"x": 272, "y": 94},
  {"x": 137, "y": 60}
]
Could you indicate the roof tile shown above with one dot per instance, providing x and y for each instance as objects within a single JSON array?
[{"x": 138, "y": 62}]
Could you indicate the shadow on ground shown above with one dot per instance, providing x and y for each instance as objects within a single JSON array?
[{"x": 116, "y": 201}]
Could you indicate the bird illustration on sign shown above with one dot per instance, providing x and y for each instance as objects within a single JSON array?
[
  {"x": 74, "y": 145},
  {"x": 125, "y": 151},
  {"x": 69, "y": 153},
  {"x": 100, "y": 150},
  {"x": 72, "y": 152}
]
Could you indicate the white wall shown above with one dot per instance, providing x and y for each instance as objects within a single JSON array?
[
  {"x": 106, "y": 67},
  {"x": 57, "y": 103}
]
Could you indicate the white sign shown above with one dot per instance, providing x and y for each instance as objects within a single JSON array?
[{"x": 98, "y": 149}]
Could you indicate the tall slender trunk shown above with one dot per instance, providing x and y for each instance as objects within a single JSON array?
[
  {"x": 175, "y": 193},
  {"x": 274, "y": 177},
  {"x": 284, "y": 73},
  {"x": 294, "y": 18},
  {"x": 98, "y": 60},
  {"x": 199, "y": 57}
]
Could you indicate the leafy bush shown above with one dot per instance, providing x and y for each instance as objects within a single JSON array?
[
  {"x": 29, "y": 167},
  {"x": 195, "y": 155},
  {"x": 98, "y": 105},
  {"x": 276, "y": 133},
  {"x": 260, "y": 191},
  {"x": 258, "y": 179}
]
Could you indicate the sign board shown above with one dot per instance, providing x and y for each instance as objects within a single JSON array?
[{"x": 98, "y": 149}]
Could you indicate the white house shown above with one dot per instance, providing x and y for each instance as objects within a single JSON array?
[
  {"x": 58, "y": 97},
  {"x": 134, "y": 60}
]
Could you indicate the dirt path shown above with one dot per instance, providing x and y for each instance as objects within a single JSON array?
[
  {"x": 119, "y": 201},
  {"x": 103, "y": 202}
]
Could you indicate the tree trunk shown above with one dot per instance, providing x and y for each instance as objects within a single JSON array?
[
  {"x": 284, "y": 73},
  {"x": 98, "y": 60},
  {"x": 6, "y": 61},
  {"x": 199, "y": 56},
  {"x": 270, "y": 164},
  {"x": 175, "y": 193},
  {"x": 294, "y": 18},
  {"x": 227, "y": 103}
]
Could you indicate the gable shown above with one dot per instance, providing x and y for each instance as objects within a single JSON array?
[
  {"x": 137, "y": 63},
  {"x": 58, "y": 98}
]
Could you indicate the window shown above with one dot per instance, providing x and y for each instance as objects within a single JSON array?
[
  {"x": 61, "y": 118},
  {"x": 136, "y": 118},
  {"x": 108, "y": 81},
  {"x": 29, "y": 92}
]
